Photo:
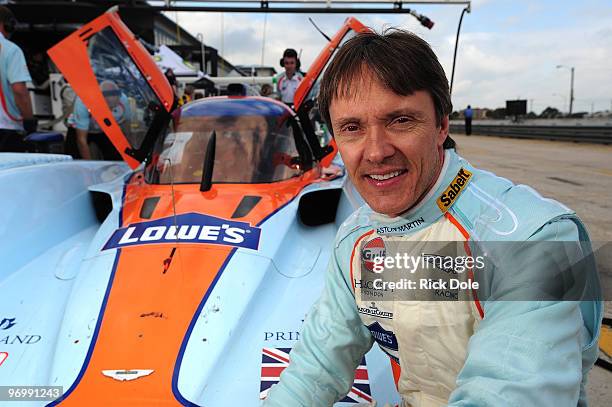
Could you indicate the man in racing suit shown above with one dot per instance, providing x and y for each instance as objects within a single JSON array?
[{"x": 386, "y": 99}]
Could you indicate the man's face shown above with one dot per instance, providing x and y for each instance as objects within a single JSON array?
[
  {"x": 290, "y": 64},
  {"x": 112, "y": 101},
  {"x": 111, "y": 94},
  {"x": 390, "y": 144}
]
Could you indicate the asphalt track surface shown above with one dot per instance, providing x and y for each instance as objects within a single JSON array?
[{"x": 578, "y": 175}]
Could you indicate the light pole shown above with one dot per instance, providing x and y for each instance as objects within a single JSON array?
[
  {"x": 571, "y": 98},
  {"x": 263, "y": 40},
  {"x": 200, "y": 38},
  {"x": 466, "y": 9}
]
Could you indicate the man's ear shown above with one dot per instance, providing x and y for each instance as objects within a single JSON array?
[{"x": 443, "y": 130}]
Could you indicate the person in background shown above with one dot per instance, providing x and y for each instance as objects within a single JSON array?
[
  {"x": 187, "y": 95},
  {"x": 266, "y": 90},
  {"x": 39, "y": 68},
  {"x": 289, "y": 80},
  {"x": 16, "y": 107},
  {"x": 172, "y": 80},
  {"x": 468, "y": 114},
  {"x": 88, "y": 134}
]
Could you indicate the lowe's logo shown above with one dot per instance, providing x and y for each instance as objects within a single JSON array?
[
  {"x": 187, "y": 228},
  {"x": 383, "y": 337}
]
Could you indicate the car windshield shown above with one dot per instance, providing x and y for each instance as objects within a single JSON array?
[
  {"x": 255, "y": 143},
  {"x": 124, "y": 87}
]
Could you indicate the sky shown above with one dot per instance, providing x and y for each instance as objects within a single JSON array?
[{"x": 508, "y": 49}]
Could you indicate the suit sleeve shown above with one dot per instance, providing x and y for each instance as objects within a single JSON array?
[
  {"x": 81, "y": 115},
  {"x": 526, "y": 351},
  {"x": 332, "y": 343}
]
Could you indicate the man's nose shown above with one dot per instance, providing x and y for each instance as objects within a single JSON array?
[{"x": 377, "y": 145}]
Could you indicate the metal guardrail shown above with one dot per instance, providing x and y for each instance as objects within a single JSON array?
[{"x": 580, "y": 134}]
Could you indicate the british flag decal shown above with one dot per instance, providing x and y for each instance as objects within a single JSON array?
[{"x": 275, "y": 360}]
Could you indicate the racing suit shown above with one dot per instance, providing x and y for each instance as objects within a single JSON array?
[{"x": 456, "y": 353}]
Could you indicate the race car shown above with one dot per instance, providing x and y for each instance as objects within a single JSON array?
[{"x": 183, "y": 274}]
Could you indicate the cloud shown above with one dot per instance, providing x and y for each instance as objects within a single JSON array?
[
  {"x": 504, "y": 52},
  {"x": 523, "y": 65}
]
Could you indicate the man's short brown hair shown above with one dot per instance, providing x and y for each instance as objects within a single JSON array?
[
  {"x": 7, "y": 18},
  {"x": 403, "y": 62}
]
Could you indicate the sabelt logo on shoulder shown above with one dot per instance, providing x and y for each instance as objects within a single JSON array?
[
  {"x": 372, "y": 250},
  {"x": 454, "y": 189},
  {"x": 187, "y": 228}
]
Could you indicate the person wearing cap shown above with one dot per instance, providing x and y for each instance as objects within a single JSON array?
[
  {"x": 16, "y": 116},
  {"x": 288, "y": 81}
]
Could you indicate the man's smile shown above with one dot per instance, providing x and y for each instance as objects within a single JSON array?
[{"x": 385, "y": 178}]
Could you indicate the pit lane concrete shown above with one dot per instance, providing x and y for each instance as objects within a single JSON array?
[{"x": 578, "y": 175}]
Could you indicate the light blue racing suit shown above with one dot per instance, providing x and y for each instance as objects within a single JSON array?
[
  {"x": 13, "y": 69},
  {"x": 82, "y": 119},
  {"x": 521, "y": 351}
]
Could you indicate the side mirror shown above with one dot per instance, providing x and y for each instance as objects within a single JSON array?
[{"x": 330, "y": 152}]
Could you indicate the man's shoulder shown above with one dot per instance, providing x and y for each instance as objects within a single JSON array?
[
  {"x": 495, "y": 208},
  {"x": 358, "y": 223},
  {"x": 10, "y": 47},
  {"x": 520, "y": 197}
]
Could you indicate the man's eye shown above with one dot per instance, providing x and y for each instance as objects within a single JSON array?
[
  {"x": 401, "y": 120},
  {"x": 350, "y": 127}
]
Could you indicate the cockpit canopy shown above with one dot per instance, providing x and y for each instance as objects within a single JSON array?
[{"x": 257, "y": 141}]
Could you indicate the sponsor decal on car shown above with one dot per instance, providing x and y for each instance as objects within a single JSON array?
[
  {"x": 7, "y": 323},
  {"x": 275, "y": 360},
  {"x": 127, "y": 375},
  {"x": 281, "y": 336},
  {"x": 20, "y": 339},
  {"x": 454, "y": 189},
  {"x": 187, "y": 228},
  {"x": 371, "y": 251},
  {"x": 374, "y": 311}
]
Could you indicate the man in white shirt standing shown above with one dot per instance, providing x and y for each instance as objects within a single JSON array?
[
  {"x": 289, "y": 80},
  {"x": 15, "y": 105}
]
